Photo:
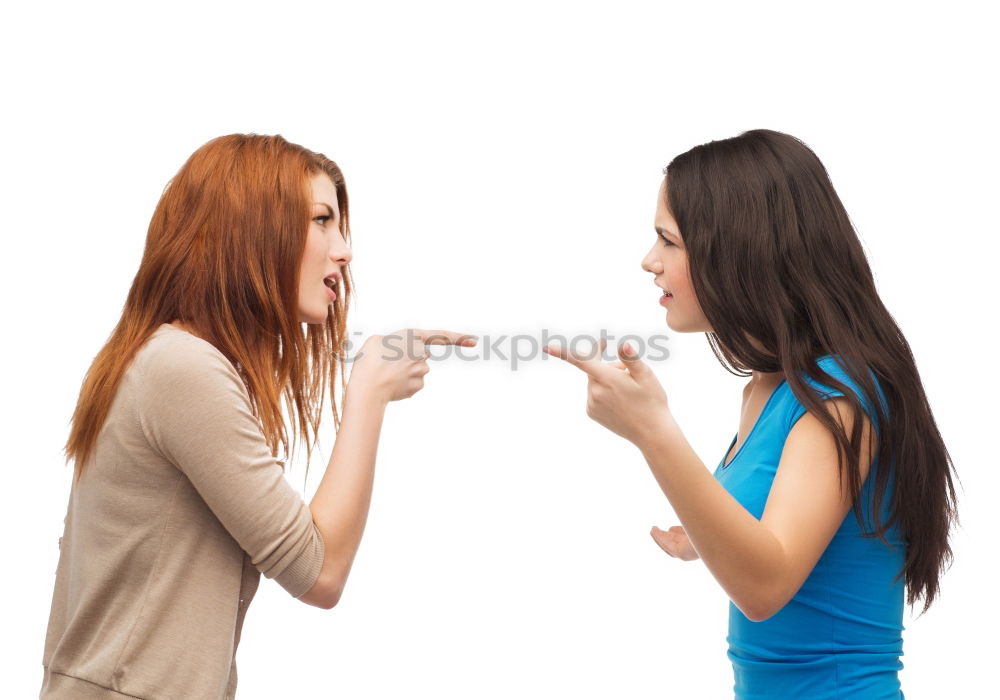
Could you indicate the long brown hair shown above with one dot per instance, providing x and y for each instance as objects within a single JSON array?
[
  {"x": 761, "y": 221},
  {"x": 222, "y": 255}
]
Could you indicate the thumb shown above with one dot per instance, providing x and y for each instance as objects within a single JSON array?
[
  {"x": 664, "y": 540},
  {"x": 632, "y": 361}
]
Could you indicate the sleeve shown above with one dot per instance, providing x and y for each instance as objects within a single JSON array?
[
  {"x": 834, "y": 369},
  {"x": 195, "y": 412}
]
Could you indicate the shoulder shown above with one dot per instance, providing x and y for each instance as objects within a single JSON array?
[
  {"x": 181, "y": 383},
  {"x": 834, "y": 368},
  {"x": 828, "y": 367},
  {"x": 172, "y": 358}
]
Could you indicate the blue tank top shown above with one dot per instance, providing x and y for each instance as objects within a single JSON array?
[{"x": 840, "y": 636}]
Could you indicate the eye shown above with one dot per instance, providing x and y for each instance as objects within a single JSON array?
[
  {"x": 666, "y": 241},
  {"x": 321, "y": 220}
]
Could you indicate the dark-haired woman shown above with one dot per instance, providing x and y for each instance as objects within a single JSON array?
[
  {"x": 834, "y": 500},
  {"x": 179, "y": 502}
]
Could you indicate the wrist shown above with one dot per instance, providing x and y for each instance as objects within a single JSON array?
[
  {"x": 360, "y": 393},
  {"x": 660, "y": 435}
]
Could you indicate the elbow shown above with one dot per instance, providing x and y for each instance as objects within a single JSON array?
[
  {"x": 331, "y": 595},
  {"x": 323, "y": 599},
  {"x": 324, "y": 594},
  {"x": 330, "y": 602},
  {"x": 763, "y": 597},
  {"x": 761, "y": 607},
  {"x": 758, "y": 612}
]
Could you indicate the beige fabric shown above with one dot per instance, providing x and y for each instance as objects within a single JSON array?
[{"x": 177, "y": 514}]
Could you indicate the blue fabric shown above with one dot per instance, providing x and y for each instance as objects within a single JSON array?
[{"x": 840, "y": 636}]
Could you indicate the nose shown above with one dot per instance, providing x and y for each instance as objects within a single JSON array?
[
  {"x": 651, "y": 263},
  {"x": 340, "y": 252}
]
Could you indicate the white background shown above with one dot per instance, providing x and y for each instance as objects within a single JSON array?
[{"x": 502, "y": 161}]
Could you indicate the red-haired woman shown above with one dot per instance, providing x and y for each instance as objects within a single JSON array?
[
  {"x": 835, "y": 498},
  {"x": 179, "y": 502}
]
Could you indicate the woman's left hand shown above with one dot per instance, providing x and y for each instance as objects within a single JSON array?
[
  {"x": 674, "y": 542},
  {"x": 625, "y": 396}
]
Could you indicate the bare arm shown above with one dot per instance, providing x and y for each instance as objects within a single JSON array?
[
  {"x": 760, "y": 564},
  {"x": 341, "y": 502},
  {"x": 674, "y": 541}
]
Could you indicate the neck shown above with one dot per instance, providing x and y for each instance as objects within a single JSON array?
[{"x": 766, "y": 378}]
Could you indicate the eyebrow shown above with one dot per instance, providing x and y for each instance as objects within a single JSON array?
[
  {"x": 329, "y": 209},
  {"x": 664, "y": 232}
]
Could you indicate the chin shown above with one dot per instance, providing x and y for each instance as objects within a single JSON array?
[
  {"x": 312, "y": 317},
  {"x": 698, "y": 326}
]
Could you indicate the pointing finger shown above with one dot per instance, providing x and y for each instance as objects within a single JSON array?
[
  {"x": 593, "y": 367},
  {"x": 441, "y": 337}
]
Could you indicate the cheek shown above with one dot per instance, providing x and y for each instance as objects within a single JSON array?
[
  {"x": 681, "y": 274},
  {"x": 676, "y": 272},
  {"x": 315, "y": 251},
  {"x": 309, "y": 271},
  {"x": 685, "y": 279}
]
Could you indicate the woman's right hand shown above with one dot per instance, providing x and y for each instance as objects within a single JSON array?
[
  {"x": 392, "y": 366},
  {"x": 674, "y": 542}
]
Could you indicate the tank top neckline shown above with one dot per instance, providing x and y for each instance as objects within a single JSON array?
[{"x": 767, "y": 404}]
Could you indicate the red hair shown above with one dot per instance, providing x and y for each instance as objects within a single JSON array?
[{"x": 222, "y": 255}]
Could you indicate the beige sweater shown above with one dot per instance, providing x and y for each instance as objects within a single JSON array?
[{"x": 177, "y": 514}]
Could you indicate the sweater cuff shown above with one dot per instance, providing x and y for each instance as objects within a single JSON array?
[{"x": 301, "y": 574}]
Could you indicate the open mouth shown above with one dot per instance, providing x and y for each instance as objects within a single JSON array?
[{"x": 331, "y": 287}]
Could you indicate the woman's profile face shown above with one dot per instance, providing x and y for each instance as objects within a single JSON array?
[
  {"x": 326, "y": 252},
  {"x": 667, "y": 261}
]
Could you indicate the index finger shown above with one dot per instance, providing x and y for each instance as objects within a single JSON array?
[
  {"x": 592, "y": 367},
  {"x": 444, "y": 337}
]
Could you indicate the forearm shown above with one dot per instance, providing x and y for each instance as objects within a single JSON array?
[
  {"x": 340, "y": 504},
  {"x": 744, "y": 556}
]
